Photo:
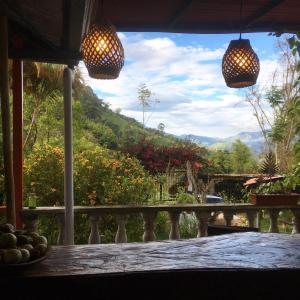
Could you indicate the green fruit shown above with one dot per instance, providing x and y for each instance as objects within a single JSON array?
[
  {"x": 40, "y": 240},
  {"x": 42, "y": 248},
  {"x": 25, "y": 255},
  {"x": 23, "y": 239},
  {"x": 28, "y": 247},
  {"x": 7, "y": 228},
  {"x": 12, "y": 256},
  {"x": 8, "y": 240},
  {"x": 34, "y": 235}
]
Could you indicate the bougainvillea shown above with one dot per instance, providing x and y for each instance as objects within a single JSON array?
[{"x": 159, "y": 159}]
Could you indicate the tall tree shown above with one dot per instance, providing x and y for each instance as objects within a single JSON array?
[
  {"x": 144, "y": 95},
  {"x": 41, "y": 82},
  {"x": 278, "y": 109},
  {"x": 241, "y": 158}
]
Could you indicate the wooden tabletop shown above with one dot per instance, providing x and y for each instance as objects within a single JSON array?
[
  {"x": 236, "y": 251},
  {"x": 218, "y": 267}
]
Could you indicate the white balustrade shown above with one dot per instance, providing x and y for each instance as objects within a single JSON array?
[
  {"x": 121, "y": 235},
  {"x": 202, "y": 212}
]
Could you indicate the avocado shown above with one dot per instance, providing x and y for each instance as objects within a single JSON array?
[{"x": 23, "y": 239}]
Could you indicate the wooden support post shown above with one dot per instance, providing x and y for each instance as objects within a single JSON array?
[
  {"x": 68, "y": 189},
  {"x": 18, "y": 138},
  {"x": 5, "y": 113}
]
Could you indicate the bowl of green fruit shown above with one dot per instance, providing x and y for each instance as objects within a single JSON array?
[{"x": 20, "y": 248}]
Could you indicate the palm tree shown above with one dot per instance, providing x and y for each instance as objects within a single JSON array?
[{"x": 41, "y": 82}]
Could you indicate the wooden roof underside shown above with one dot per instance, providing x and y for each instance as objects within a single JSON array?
[{"x": 52, "y": 30}]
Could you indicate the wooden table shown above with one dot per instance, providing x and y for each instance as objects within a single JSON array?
[{"x": 259, "y": 265}]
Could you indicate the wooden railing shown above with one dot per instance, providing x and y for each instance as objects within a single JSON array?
[{"x": 149, "y": 213}]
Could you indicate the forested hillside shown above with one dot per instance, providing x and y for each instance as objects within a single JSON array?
[{"x": 94, "y": 121}]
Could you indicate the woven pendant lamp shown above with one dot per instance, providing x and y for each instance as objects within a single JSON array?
[
  {"x": 102, "y": 51},
  {"x": 240, "y": 65}
]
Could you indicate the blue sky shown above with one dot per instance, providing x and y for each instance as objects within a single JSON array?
[{"x": 184, "y": 73}]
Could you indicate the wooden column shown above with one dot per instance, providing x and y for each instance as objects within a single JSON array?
[
  {"x": 68, "y": 139},
  {"x": 18, "y": 137},
  {"x": 5, "y": 111}
]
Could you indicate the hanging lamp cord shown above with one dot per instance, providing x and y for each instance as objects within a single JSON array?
[
  {"x": 102, "y": 9},
  {"x": 241, "y": 12}
]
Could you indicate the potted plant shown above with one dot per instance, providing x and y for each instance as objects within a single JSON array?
[{"x": 273, "y": 191}]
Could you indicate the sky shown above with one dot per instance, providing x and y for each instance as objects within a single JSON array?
[{"x": 183, "y": 71}]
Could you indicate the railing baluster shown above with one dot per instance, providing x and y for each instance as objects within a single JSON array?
[
  {"x": 202, "y": 217},
  {"x": 94, "y": 237},
  {"x": 251, "y": 216},
  {"x": 121, "y": 235},
  {"x": 174, "y": 231},
  {"x": 296, "y": 220},
  {"x": 149, "y": 218},
  {"x": 273, "y": 213},
  {"x": 61, "y": 229},
  {"x": 228, "y": 216}
]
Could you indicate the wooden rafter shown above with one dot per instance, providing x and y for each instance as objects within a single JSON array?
[
  {"x": 261, "y": 12},
  {"x": 179, "y": 13}
]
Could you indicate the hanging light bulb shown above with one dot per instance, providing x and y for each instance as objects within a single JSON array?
[
  {"x": 240, "y": 65},
  {"x": 102, "y": 51}
]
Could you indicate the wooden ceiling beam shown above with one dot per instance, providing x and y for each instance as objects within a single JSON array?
[
  {"x": 212, "y": 28},
  {"x": 17, "y": 20},
  {"x": 57, "y": 56},
  {"x": 261, "y": 12},
  {"x": 179, "y": 13}
]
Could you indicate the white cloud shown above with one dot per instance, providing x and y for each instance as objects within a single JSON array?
[{"x": 188, "y": 82}]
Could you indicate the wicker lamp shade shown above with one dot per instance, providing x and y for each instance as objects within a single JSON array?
[
  {"x": 102, "y": 51},
  {"x": 240, "y": 65}
]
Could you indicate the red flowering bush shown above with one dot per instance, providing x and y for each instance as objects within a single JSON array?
[{"x": 159, "y": 159}]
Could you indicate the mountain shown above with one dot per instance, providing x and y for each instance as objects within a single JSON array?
[{"x": 254, "y": 140}]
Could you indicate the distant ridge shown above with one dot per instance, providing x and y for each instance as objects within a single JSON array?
[{"x": 254, "y": 140}]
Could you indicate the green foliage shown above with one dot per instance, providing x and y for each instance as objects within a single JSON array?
[
  {"x": 239, "y": 160},
  {"x": 221, "y": 162},
  {"x": 242, "y": 158},
  {"x": 181, "y": 197},
  {"x": 44, "y": 175},
  {"x": 103, "y": 177},
  {"x": 100, "y": 177}
]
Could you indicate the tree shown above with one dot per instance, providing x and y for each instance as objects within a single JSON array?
[
  {"x": 41, "y": 83},
  {"x": 221, "y": 162},
  {"x": 161, "y": 127},
  {"x": 277, "y": 111},
  {"x": 145, "y": 97},
  {"x": 241, "y": 158},
  {"x": 294, "y": 43}
]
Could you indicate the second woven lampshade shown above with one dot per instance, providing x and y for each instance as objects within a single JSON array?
[
  {"x": 102, "y": 51},
  {"x": 240, "y": 65}
]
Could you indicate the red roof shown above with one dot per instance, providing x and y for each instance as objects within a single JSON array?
[{"x": 257, "y": 180}]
